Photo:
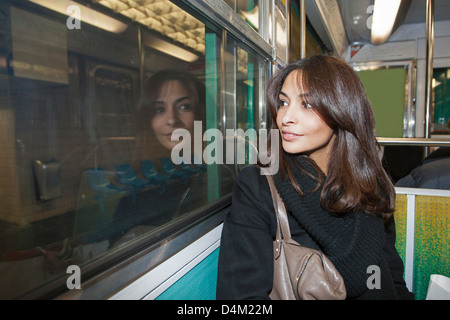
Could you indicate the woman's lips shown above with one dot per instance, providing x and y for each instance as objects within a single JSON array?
[
  {"x": 289, "y": 136},
  {"x": 174, "y": 136}
]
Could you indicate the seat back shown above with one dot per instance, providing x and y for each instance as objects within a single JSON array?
[
  {"x": 167, "y": 165},
  {"x": 148, "y": 168},
  {"x": 125, "y": 173},
  {"x": 97, "y": 179},
  {"x": 422, "y": 239}
]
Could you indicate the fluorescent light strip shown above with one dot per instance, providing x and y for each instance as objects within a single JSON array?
[
  {"x": 169, "y": 48},
  {"x": 384, "y": 15},
  {"x": 87, "y": 15}
]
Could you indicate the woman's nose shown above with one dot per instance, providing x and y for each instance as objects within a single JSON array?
[
  {"x": 172, "y": 117},
  {"x": 289, "y": 116}
]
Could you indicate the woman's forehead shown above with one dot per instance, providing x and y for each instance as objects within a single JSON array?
[
  {"x": 295, "y": 79},
  {"x": 172, "y": 88}
]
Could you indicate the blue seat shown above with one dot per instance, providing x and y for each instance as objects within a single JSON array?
[
  {"x": 99, "y": 182},
  {"x": 169, "y": 169},
  {"x": 149, "y": 172},
  {"x": 193, "y": 169},
  {"x": 126, "y": 176},
  {"x": 201, "y": 167},
  {"x": 188, "y": 169}
]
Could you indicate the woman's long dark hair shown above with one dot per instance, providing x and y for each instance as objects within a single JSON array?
[{"x": 355, "y": 178}]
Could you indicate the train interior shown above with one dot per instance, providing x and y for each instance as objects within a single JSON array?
[{"x": 85, "y": 179}]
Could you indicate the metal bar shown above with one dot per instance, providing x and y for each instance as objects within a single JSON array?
[
  {"x": 274, "y": 44},
  {"x": 429, "y": 66},
  {"x": 302, "y": 29},
  {"x": 141, "y": 61},
  {"x": 414, "y": 142},
  {"x": 410, "y": 241},
  {"x": 288, "y": 30}
]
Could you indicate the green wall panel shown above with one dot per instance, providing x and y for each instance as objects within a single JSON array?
[{"x": 385, "y": 89}]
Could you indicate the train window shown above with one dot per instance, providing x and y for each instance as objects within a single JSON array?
[
  {"x": 441, "y": 101},
  {"x": 313, "y": 43},
  {"x": 249, "y": 10},
  {"x": 90, "y": 159},
  {"x": 390, "y": 89}
]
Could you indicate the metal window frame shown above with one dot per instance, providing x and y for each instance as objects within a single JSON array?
[
  {"x": 410, "y": 66},
  {"x": 131, "y": 262},
  {"x": 230, "y": 21},
  {"x": 115, "y": 270}
]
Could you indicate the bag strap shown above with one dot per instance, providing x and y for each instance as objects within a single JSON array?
[{"x": 283, "y": 231}]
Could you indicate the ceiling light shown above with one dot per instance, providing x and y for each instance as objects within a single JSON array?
[
  {"x": 86, "y": 14},
  {"x": 384, "y": 15},
  {"x": 169, "y": 48}
]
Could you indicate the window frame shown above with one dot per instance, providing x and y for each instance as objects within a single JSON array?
[{"x": 103, "y": 276}]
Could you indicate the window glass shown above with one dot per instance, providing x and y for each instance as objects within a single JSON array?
[
  {"x": 249, "y": 86},
  {"x": 441, "y": 101},
  {"x": 88, "y": 114},
  {"x": 249, "y": 10}
]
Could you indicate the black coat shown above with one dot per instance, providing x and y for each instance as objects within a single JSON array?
[
  {"x": 434, "y": 173},
  {"x": 246, "y": 256}
]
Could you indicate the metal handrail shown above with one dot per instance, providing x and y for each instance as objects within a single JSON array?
[{"x": 414, "y": 142}]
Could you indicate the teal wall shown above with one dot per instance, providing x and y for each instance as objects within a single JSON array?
[{"x": 198, "y": 284}]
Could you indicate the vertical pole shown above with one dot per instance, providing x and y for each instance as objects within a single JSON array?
[
  {"x": 429, "y": 68},
  {"x": 410, "y": 241},
  {"x": 141, "y": 61},
  {"x": 212, "y": 99},
  {"x": 302, "y": 29},
  {"x": 274, "y": 36},
  {"x": 288, "y": 30}
]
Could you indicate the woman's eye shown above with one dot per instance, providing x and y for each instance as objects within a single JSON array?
[
  {"x": 159, "y": 110},
  {"x": 306, "y": 105},
  {"x": 185, "y": 107},
  {"x": 282, "y": 103}
]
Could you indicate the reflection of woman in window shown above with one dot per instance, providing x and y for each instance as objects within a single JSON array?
[{"x": 171, "y": 100}]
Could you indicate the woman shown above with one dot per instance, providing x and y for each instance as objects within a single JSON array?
[
  {"x": 172, "y": 100},
  {"x": 331, "y": 180}
]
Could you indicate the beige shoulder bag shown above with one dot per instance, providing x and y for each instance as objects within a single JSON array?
[{"x": 300, "y": 273}]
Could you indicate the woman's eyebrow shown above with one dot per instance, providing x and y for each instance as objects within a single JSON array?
[
  {"x": 176, "y": 101},
  {"x": 301, "y": 95},
  {"x": 183, "y": 98}
]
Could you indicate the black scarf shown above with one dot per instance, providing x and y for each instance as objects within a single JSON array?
[{"x": 353, "y": 241}]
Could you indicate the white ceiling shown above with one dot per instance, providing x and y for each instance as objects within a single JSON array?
[
  {"x": 164, "y": 17},
  {"x": 355, "y": 14},
  {"x": 417, "y": 13}
]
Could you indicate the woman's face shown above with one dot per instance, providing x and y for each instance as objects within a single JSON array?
[
  {"x": 173, "y": 109},
  {"x": 301, "y": 129}
]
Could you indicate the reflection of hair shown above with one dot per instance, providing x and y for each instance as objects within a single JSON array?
[
  {"x": 448, "y": 124},
  {"x": 155, "y": 83},
  {"x": 355, "y": 179}
]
